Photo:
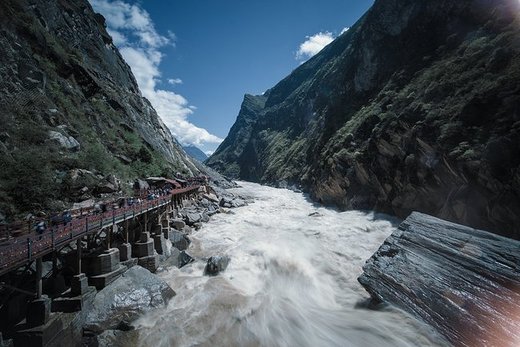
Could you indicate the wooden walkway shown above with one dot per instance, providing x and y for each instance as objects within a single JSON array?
[{"x": 23, "y": 249}]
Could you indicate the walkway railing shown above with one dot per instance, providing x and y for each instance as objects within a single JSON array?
[{"x": 22, "y": 249}]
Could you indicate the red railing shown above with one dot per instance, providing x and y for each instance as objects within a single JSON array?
[{"x": 19, "y": 250}]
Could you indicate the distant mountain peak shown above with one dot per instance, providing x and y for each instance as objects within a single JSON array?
[{"x": 195, "y": 152}]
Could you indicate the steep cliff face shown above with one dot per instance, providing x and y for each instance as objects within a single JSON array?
[
  {"x": 416, "y": 107},
  {"x": 73, "y": 120}
]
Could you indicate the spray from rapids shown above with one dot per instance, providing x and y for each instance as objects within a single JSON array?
[{"x": 292, "y": 281}]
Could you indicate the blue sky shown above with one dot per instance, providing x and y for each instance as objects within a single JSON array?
[{"x": 195, "y": 59}]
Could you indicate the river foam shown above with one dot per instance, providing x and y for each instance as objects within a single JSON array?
[{"x": 292, "y": 281}]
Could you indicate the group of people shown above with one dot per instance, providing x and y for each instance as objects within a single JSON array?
[
  {"x": 66, "y": 217},
  {"x": 156, "y": 193},
  {"x": 55, "y": 219}
]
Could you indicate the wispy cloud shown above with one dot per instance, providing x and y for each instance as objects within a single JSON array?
[
  {"x": 140, "y": 44},
  {"x": 313, "y": 44},
  {"x": 174, "y": 81}
]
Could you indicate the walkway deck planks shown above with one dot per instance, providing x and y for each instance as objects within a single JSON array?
[{"x": 23, "y": 249}]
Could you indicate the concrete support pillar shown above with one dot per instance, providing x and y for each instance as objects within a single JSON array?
[
  {"x": 159, "y": 243},
  {"x": 38, "y": 311},
  {"x": 39, "y": 267},
  {"x": 54, "y": 263},
  {"x": 146, "y": 222},
  {"x": 125, "y": 251},
  {"x": 126, "y": 231},
  {"x": 79, "y": 253},
  {"x": 79, "y": 284}
]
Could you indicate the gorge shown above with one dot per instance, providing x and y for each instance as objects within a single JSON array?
[
  {"x": 414, "y": 108},
  {"x": 377, "y": 199}
]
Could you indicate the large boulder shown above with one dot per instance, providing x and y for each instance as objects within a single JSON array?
[
  {"x": 64, "y": 141},
  {"x": 463, "y": 282},
  {"x": 211, "y": 197},
  {"x": 192, "y": 218},
  {"x": 179, "y": 240},
  {"x": 128, "y": 297},
  {"x": 216, "y": 264},
  {"x": 114, "y": 338},
  {"x": 177, "y": 224},
  {"x": 231, "y": 201},
  {"x": 184, "y": 259},
  {"x": 141, "y": 185}
]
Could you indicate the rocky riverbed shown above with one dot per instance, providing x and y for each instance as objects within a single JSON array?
[{"x": 289, "y": 279}]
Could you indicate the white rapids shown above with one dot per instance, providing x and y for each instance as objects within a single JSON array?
[{"x": 292, "y": 281}]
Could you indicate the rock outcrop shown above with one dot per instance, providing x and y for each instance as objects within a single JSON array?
[
  {"x": 135, "y": 292},
  {"x": 463, "y": 282},
  {"x": 68, "y": 101},
  {"x": 216, "y": 265},
  {"x": 416, "y": 107}
]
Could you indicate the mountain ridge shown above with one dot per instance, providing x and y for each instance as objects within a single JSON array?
[
  {"x": 75, "y": 125},
  {"x": 195, "y": 152},
  {"x": 413, "y": 108}
]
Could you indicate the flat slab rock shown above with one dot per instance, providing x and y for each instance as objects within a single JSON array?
[{"x": 463, "y": 282}]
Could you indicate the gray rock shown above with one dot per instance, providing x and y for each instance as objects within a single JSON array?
[
  {"x": 179, "y": 240},
  {"x": 238, "y": 202},
  {"x": 106, "y": 188},
  {"x": 173, "y": 260},
  {"x": 141, "y": 185},
  {"x": 185, "y": 259},
  {"x": 177, "y": 224},
  {"x": 117, "y": 338},
  {"x": 457, "y": 279},
  {"x": 216, "y": 264},
  {"x": 134, "y": 293},
  {"x": 65, "y": 141},
  {"x": 211, "y": 197},
  {"x": 192, "y": 218}
]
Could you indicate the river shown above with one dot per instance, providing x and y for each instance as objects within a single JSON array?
[{"x": 292, "y": 281}]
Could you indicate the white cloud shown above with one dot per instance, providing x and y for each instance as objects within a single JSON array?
[
  {"x": 118, "y": 38},
  {"x": 209, "y": 153},
  {"x": 313, "y": 44},
  {"x": 174, "y": 81},
  {"x": 344, "y": 30},
  {"x": 134, "y": 33}
]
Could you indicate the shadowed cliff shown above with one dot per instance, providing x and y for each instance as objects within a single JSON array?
[
  {"x": 74, "y": 123},
  {"x": 416, "y": 107}
]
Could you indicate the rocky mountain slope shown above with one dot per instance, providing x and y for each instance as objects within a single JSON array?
[
  {"x": 195, "y": 153},
  {"x": 416, "y": 107},
  {"x": 73, "y": 120}
]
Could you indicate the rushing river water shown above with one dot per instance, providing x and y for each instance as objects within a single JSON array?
[{"x": 292, "y": 281}]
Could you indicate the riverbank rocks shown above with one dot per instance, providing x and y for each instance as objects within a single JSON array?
[
  {"x": 230, "y": 202},
  {"x": 216, "y": 264},
  {"x": 116, "y": 338},
  {"x": 131, "y": 295},
  {"x": 192, "y": 217},
  {"x": 179, "y": 240},
  {"x": 184, "y": 259},
  {"x": 463, "y": 282},
  {"x": 177, "y": 224}
]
